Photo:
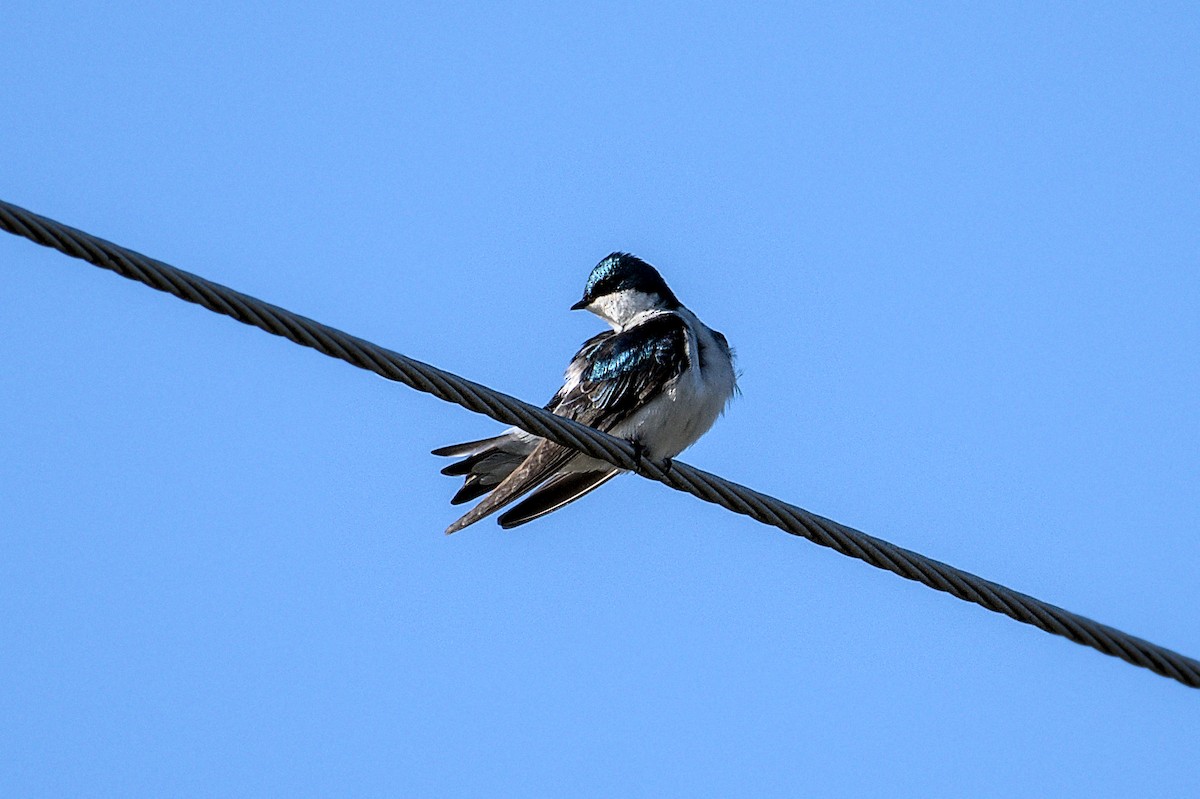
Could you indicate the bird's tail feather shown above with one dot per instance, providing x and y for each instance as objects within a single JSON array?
[
  {"x": 486, "y": 462},
  {"x": 469, "y": 447}
]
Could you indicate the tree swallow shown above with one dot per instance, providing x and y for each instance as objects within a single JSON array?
[{"x": 659, "y": 379}]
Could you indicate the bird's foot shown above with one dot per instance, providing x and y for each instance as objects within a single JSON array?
[
  {"x": 640, "y": 459},
  {"x": 639, "y": 455}
]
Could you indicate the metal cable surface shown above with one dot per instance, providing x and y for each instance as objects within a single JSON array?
[{"x": 680, "y": 476}]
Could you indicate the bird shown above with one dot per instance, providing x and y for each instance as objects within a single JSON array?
[{"x": 659, "y": 378}]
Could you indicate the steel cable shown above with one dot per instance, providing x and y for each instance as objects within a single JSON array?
[{"x": 678, "y": 475}]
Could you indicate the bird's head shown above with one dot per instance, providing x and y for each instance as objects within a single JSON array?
[{"x": 622, "y": 286}]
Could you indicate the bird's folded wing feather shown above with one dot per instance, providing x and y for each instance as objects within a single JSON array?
[
  {"x": 616, "y": 373},
  {"x": 561, "y": 490},
  {"x": 541, "y": 463}
]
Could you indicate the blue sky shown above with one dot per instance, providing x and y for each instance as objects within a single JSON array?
[{"x": 955, "y": 247}]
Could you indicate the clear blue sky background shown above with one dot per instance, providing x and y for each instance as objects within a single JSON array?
[{"x": 957, "y": 251}]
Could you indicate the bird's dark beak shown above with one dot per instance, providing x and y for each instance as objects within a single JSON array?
[{"x": 579, "y": 306}]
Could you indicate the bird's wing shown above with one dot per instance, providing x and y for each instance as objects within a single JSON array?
[
  {"x": 561, "y": 490},
  {"x": 541, "y": 463},
  {"x": 616, "y": 373}
]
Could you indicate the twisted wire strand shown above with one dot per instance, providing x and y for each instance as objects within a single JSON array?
[{"x": 678, "y": 475}]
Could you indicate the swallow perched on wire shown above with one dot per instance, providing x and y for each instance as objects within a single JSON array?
[{"x": 659, "y": 379}]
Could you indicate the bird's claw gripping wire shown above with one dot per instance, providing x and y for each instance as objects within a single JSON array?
[
  {"x": 639, "y": 456},
  {"x": 640, "y": 460}
]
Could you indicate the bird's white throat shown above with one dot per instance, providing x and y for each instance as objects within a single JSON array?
[{"x": 620, "y": 307}]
